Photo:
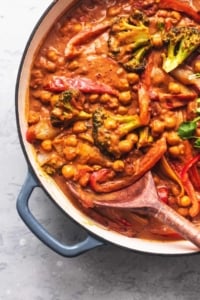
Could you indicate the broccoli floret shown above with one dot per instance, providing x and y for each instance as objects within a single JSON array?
[
  {"x": 110, "y": 129},
  {"x": 129, "y": 41},
  {"x": 68, "y": 109},
  {"x": 182, "y": 41},
  {"x": 137, "y": 62}
]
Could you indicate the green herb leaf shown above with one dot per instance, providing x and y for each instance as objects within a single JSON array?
[
  {"x": 186, "y": 130},
  {"x": 197, "y": 143}
]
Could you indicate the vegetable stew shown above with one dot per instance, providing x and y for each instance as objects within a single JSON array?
[{"x": 115, "y": 92}]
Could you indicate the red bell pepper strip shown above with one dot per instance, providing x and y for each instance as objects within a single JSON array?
[
  {"x": 61, "y": 83},
  {"x": 163, "y": 193},
  {"x": 194, "y": 209},
  {"x": 83, "y": 37},
  {"x": 182, "y": 172},
  {"x": 188, "y": 167},
  {"x": 30, "y": 135},
  {"x": 98, "y": 177},
  {"x": 165, "y": 231},
  {"x": 180, "y": 6},
  {"x": 192, "y": 171},
  {"x": 144, "y": 164}
]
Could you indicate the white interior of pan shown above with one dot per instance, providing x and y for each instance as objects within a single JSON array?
[{"x": 148, "y": 246}]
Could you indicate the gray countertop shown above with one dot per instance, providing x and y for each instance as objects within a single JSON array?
[{"x": 28, "y": 269}]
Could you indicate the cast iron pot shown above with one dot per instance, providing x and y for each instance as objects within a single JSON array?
[{"x": 97, "y": 235}]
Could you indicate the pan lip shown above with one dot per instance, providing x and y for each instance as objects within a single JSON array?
[{"x": 114, "y": 241}]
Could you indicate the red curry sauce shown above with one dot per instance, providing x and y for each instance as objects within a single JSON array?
[{"x": 100, "y": 119}]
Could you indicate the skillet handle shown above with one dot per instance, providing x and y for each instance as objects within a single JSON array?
[
  {"x": 170, "y": 217},
  {"x": 26, "y": 215}
]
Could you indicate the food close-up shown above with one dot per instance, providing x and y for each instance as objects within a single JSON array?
[{"x": 114, "y": 93}]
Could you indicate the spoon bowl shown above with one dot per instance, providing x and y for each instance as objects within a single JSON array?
[{"x": 141, "y": 197}]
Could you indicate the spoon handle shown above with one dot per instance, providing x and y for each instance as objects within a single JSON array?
[{"x": 181, "y": 225}]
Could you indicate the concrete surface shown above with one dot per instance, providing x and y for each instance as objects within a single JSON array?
[{"x": 28, "y": 269}]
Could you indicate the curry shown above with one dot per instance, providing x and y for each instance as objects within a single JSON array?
[{"x": 115, "y": 92}]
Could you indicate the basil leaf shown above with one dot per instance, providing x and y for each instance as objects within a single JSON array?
[{"x": 186, "y": 130}]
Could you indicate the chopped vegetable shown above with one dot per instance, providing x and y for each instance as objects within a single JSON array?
[
  {"x": 187, "y": 131},
  {"x": 180, "y": 6},
  {"x": 110, "y": 130},
  {"x": 61, "y": 83},
  {"x": 129, "y": 41},
  {"x": 182, "y": 41},
  {"x": 68, "y": 109}
]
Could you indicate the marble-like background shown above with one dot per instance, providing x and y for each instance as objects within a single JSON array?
[{"x": 28, "y": 269}]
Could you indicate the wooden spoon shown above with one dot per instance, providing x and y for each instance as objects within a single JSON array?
[{"x": 141, "y": 197}]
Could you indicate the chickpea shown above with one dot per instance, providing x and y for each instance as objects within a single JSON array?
[
  {"x": 174, "y": 88},
  {"x": 73, "y": 65},
  {"x": 123, "y": 84},
  {"x": 50, "y": 66},
  {"x": 197, "y": 132},
  {"x": 122, "y": 110},
  {"x": 132, "y": 137},
  {"x": 183, "y": 211},
  {"x": 176, "y": 151},
  {"x": 44, "y": 96},
  {"x": 61, "y": 61},
  {"x": 133, "y": 78},
  {"x": 157, "y": 40},
  {"x": 113, "y": 103},
  {"x": 170, "y": 122},
  {"x": 71, "y": 140},
  {"x": 176, "y": 15},
  {"x": 93, "y": 98},
  {"x": 110, "y": 124},
  {"x": 33, "y": 117},
  {"x": 83, "y": 181},
  {"x": 173, "y": 138},
  {"x": 70, "y": 152},
  {"x": 157, "y": 126},
  {"x": 118, "y": 166},
  {"x": 54, "y": 99},
  {"x": 52, "y": 55},
  {"x": 184, "y": 201},
  {"x": 125, "y": 97},
  {"x": 105, "y": 98},
  {"x": 79, "y": 127},
  {"x": 197, "y": 66},
  {"x": 113, "y": 11},
  {"x": 76, "y": 27},
  {"x": 68, "y": 171},
  {"x": 46, "y": 145},
  {"x": 125, "y": 146},
  {"x": 37, "y": 73}
]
